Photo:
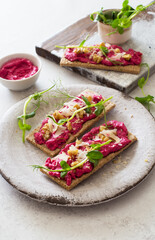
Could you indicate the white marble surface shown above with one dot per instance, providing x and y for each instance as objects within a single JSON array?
[{"x": 22, "y": 25}]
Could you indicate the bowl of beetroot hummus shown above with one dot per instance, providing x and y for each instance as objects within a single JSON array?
[{"x": 19, "y": 71}]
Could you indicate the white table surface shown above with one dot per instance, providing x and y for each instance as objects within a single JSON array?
[{"x": 23, "y": 24}]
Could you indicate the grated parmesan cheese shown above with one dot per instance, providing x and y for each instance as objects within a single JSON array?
[{"x": 111, "y": 134}]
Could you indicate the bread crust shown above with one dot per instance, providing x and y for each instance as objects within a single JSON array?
[
  {"x": 101, "y": 163},
  {"x": 30, "y": 137},
  {"x": 133, "y": 69}
]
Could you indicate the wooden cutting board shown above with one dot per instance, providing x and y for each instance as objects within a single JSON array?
[{"x": 143, "y": 40}]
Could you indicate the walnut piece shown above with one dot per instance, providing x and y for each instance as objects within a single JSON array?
[
  {"x": 58, "y": 115},
  {"x": 97, "y": 58},
  {"x": 103, "y": 138},
  {"x": 45, "y": 131},
  {"x": 79, "y": 50},
  {"x": 81, "y": 113},
  {"x": 69, "y": 126},
  {"x": 72, "y": 153},
  {"x": 117, "y": 50},
  {"x": 127, "y": 57}
]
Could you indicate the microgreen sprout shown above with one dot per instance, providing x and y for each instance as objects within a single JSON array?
[
  {"x": 99, "y": 107},
  {"x": 119, "y": 20},
  {"x": 141, "y": 83},
  {"x": 38, "y": 96},
  {"x": 103, "y": 49},
  {"x": 94, "y": 155}
]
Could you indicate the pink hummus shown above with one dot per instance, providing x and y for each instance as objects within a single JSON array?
[
  {"x": 136, "y": 57},
  {"x": 18, "y": 68},
  {"x": 89, "y": 137},
  {"x": 57, "y": 142}
]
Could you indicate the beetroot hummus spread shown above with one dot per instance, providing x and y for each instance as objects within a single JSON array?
[
  {"x": 116, "y": 55},
  {"x": 18, "y": 68},
  {"x": 75, "y": 152},
  {"x": 53, "y": 135}
]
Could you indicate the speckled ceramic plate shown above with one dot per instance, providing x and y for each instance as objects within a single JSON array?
[{"x": 113, "y": 180}]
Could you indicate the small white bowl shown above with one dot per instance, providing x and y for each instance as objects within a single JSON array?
[
  {"x": 22, "y": 84},
  {"x": 115, "y": 38}
]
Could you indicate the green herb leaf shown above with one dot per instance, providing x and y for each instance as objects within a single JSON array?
[
  {"x": 88, "y": 110},
  {"x": 104, "y": 50},
  {"x": 95, "y": 155},
  {"x": 83, "y": 42},
  {"x": 92, "y": 16},
  {"x": 99, "y": 108},
  {"x": 27, "y": 127},
  {"x": 62, "y": 121},
  {"x": 119, "y": 20},
  {"x": 63, "y": 174},
  {"x": 125, "y": 4},
  {"x": 86, "y": 100},
  {"x": 20, "y": 124},
  {"x": 95, "y": 162},
  {"x": 145, "y": 99},
  {"x": 141, "y": 82},
  {"x": 28, "y": 115},
  {"x": 65, "y": 165},
  {"x": 97, "y": 146}
]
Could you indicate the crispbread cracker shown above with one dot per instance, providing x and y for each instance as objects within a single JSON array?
[
  {"x": 102, "y": 162},
  {"x": 108, "y": 106},
  {"x": 133, "y": 69}
]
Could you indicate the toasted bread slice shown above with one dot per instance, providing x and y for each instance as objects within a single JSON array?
[
  {"x": 108, "y": 106},
  {"x": 102, "y": 162},
  {"x": 133, "y": 69}
]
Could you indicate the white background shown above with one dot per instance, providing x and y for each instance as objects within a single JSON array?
[{"x": 23, "y": 24}]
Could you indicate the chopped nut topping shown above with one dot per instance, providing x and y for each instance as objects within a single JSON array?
[
  {"x": 81, "y": 113},
  {"x": 58, "y": 115},
  {"x": 72, "y": 153},
  {"x": 102, "y": 44},
  {"x": 89, "y": 98},
  {"x": 74, "y": 163},
  {"x": 102, "y": 128},
  {"x": 79, "y": 50},
  {"x": 97, "y": 58},
  {"x": 89, "y": 148},
  {"x": 78, "y": 142},
  {"x": 117, "y": 50},
  {"x": 69, "y": 126},
  {"x": 76, "y": 106},
  {"x": 103, "y": 138},
  {"x": 45, "y": 131},
  {"x": 127, "y": 57}
]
